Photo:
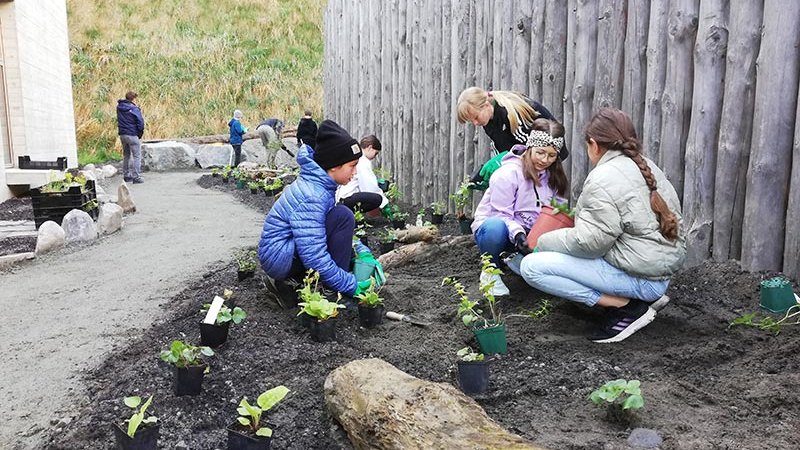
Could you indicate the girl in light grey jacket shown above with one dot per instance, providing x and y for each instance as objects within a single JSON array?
[{"x": 627, "y": 240}]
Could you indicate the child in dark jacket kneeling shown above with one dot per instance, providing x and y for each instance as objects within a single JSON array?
[{"x": 306, "y": 229}]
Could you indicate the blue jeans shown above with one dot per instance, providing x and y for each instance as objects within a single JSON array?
[
  {"x": 340, "y": 223},
  {"x": 584, "y": 280},
  {"x": 492, "y": 238},
  {"x": 131, "y": 156}
]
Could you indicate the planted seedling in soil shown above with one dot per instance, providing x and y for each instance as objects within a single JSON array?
[
  {"x": 461, "y": 198},
  {"x": 621, "y": 397},
  {"x": 370, "y": 306},
  {"x": 147, "y": 436},
  {"x": 767, "y": 323},
  {"x": 249, "y": 426}
]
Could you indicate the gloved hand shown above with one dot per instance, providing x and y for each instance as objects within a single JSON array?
[
  {"x": 369, "y": 258},
  {"x": 480, "y": 180},
  {"x": 386, "y": 211},
  {"x": 521, "y": 243},
  {"x": 362, "y": 286}
]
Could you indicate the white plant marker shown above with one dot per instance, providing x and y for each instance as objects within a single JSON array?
[{"x": 213, "y": 310}]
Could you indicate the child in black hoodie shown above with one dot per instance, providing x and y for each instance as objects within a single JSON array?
[{"x": 307, "y": 131}]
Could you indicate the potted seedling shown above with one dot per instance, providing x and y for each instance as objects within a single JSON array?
[
  {"x": 388, "y": 240},
  {"x": 437, "y": 213},
  {"x": 552, "y": 217},
  {"x": 473, "y": 371},
  {"x": 249, "y": 432},
  {"x": 319, "y": 310},
  {"x": 189, "y": 366},
  {"x": 246, "y": 261},
  {"x": 215, "y": 172},
  {"x": 622, "y": 397},
  {"x": 384, "y": 177},
  {"x": 398, "y": 218},
  {"x": 370, "y": 306},
  {"x": 361, "y": 226},
  {"x": 273, "y": 186},
  {"x": 240, "y": 177},
  {"x": 462, "y": 197},
  {"x": 393, "y": 193},
  {"x": 141, "y": 432},
  {"x": 215, "y": 334},
  {"x": 253, "y": 186},
  {"x": 226, "y": 173},
  {"x": 490, "y": 331}
]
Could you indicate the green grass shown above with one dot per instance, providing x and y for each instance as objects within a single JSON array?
[{"x": 192, "y": 64}]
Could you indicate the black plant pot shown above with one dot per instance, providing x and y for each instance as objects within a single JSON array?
[
  {"x": 145, "y": 438},
  {"x": 384, "y": 185},
  {"x": 214, "y": 335},
  {"x": 437, "y": 219},
  {"x": 473, "y": 377},
  {"x": 239, "y": 439},
  {"x": 271, "y": 192},
  {"x": 398, "y": 224},
  {"x": 254, "y": 191},
  {"x": 386, "y": 247},
  {"x": 189, "y": 379},
  {"x": 305, "y": 320},
  {"x": 214, "y": 174},
  {"x": 244, "y": 274},
  {"x": 224, "y": 179},
  {"x": 465, "y": 224},
  {"x": 323, "y": 331},
  {"x": 370, "y": 317},
  {"x": 364, "y": 240}
]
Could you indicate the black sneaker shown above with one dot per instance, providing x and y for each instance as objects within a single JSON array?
[
  {"x": 623, "y": 322},
  {"x": 127, "y": 179},
  {"x": 139, "y": 180},
  {"x": 285, "y": 292}
]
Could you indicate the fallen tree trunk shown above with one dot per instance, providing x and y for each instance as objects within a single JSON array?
[
  {"x": 421, "y": 250},
  {"x": 225, "y": 138},
  {"x": 382, "y": 407}
]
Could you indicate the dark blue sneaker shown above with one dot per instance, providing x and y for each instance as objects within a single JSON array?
[
  {"x": 127, "y": 179},
  {"x": 139, "y": 180},
  {"x": 623, "y": 322}
]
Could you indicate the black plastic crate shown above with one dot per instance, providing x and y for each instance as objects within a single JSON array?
[
  {"x": 57, "y": 214},
  {"x": 59, "y": 164},
  {"x": 55, "y": 205}
]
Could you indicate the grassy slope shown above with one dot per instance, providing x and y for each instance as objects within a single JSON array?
[{"x": 192, "y": 62}]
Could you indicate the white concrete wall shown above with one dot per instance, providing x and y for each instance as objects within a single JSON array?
[{"x": 38, "y": 82}]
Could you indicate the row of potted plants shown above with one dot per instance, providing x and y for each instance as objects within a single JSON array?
[{"x": 268, "y": 181}]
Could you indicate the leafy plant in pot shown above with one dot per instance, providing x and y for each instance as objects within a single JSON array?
[
  {"x": 398, "y": 217},
  {"x": 141, "y": 433},
  {"x": 388, "y": 240},
  {"x": 247, "y": 263},
  {"x": 490, "y": 331},
  {"x": 473, "y": 371},
  {"x": 384, "y": 178},
  {"x": 240, "y": 177},
  {"x": 370, "y": 306},
  {"x": 249, "y": 432},
  {"x": 556, "y": 215},
  {"x": 437, "y": 213},
  {"x": 253, "y": 186},
  {"x": 189, "y": 367},
  {"x": 215, "y": 334},
  {"x": 273, "y": 187},
  {"x": 462, "y": 197},
  {"x": 318, "y": 310},
  {"x": 226, "y": 173},
  {"x": 215, "y": 172}
]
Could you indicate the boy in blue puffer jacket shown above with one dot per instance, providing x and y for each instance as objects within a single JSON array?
[{"x": 306, "y": 229}]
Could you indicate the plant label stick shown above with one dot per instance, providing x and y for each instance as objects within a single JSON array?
[{"x": 214, "y": 310}]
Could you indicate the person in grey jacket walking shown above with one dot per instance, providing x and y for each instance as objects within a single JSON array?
[
  {"x": 130, "y": 125},
  {"x": 627, "y": 240}
]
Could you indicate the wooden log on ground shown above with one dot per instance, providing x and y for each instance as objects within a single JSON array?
[
  {"x": 382, "y": 407},
  {"x": 773, "y": 132},
  {"x": 735, "y": 129},
  {"x": 422, "y": 250},
  {"x": 701, "y": 151}
]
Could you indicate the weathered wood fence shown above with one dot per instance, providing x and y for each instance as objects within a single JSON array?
[{"x": 712, "y": 86}]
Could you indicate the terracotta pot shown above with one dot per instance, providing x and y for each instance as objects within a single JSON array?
[{"x": 548, "y": 221}]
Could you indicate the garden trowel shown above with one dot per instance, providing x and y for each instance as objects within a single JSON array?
[{"x": 406, "y": 318}]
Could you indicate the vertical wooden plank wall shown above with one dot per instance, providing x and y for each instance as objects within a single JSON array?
[{"x": 715, "y": 102}]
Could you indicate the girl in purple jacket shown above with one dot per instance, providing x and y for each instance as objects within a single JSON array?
[{"x": 530, "y": 175}]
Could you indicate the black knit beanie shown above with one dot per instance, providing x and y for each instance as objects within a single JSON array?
[{"x": 334, "y": 146}]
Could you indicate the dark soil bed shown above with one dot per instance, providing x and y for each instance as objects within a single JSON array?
[{"x": 705, "y": 386}]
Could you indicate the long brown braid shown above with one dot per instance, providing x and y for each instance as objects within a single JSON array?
[{"x": 613, "y": 129}]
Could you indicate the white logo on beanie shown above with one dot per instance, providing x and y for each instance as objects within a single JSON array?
[{"x": 355, "y": 148}]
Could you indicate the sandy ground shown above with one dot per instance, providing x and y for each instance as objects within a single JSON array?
[{"x": 63, "y": 313}]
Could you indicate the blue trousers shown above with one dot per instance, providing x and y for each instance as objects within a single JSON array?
[
  {"x": 340, "y": 224},
  {"x": 585, "y": 280},
  {"x": 492, "y": 238}
]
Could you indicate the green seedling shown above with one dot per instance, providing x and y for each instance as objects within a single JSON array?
[
  {"x": 253, "y": 185},
  {"x": 275, "y": 185},
  {"x": 620, "y": 389},
  {"x": 561, "y": 207},
  {"x": 247, "y": 260},
  {"x": 468, "y": 309},
  {"x": 225, "y": 314},
  {"x": 250, "y": 416},
  {"x": 389, "y": 236},
  {"x": 313, "y": 302},
  {"x": 467, "y": 355},
  {"x": 138, "y": 418},
  {"x": 461, "y": 197},
  {"x": 393, "y": 193},
  {"x": 183, "y": 355},
  {"x": 371, "y": 297},
  {"x": 437, "y": 208},
  {"x": 767, "y": 323}
]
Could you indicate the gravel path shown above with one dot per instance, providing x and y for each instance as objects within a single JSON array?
[{"x": 63, "y": 312}]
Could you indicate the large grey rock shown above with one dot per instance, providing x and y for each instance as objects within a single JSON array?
[
  {"x": 382, "y": 407},
  {"x": 214, "y": 155},
  {"x": 110, "y": 219},
  {"x": 167, "y": 155},
  {"x": 51, "y": 237},
  {"x": 89, "y": 167},
  {"x": 253, "y": 151},
  {"x": 644, "y": 438},
  {"x": 125, "y": 199},
  {"x": 109, "y": 170},
  {"x": 78, "y": 227}
]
